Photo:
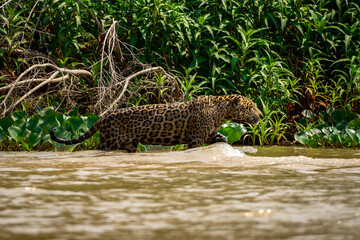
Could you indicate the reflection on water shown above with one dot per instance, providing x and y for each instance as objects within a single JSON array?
[{"x": 216, "y": 192}]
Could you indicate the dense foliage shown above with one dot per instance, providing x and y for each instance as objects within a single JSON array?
[{"x": 292, "y": 57}]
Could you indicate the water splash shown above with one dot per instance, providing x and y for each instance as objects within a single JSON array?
[{"x": 217, "y": 151}]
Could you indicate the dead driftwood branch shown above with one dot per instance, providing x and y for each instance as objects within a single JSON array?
[
  {"x": 36, "y": 80},
  {"x": 127, "y": 80},
  {"x": 78, "y": 73},
  {"x": 30, "y": 92}
]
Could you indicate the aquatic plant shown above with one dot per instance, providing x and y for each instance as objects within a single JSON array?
[
  {"x": 335, "y": 128},
  {"x": 233, "y": 131},
  {"x": 32, "y": 133}
]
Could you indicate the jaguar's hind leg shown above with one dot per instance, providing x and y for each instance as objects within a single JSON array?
[
  {"x": 107, "y": 143},
  {"x": 130, "y": 147}
]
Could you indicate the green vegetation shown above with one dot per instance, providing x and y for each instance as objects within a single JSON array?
[
  {"x": 32, "y": 133},
  {"x": 331, "y": 128},
  {"x": 299, "y": 60}
]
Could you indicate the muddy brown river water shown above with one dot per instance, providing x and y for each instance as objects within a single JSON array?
[{"x": 214, "y": 192}]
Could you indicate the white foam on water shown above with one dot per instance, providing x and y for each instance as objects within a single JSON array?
[{"x": 217, "y": 151}]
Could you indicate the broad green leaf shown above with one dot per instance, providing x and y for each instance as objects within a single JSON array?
[
  {"x": 232, "y": 134},
  {"x": 15, "y": 133},
  {"x": 2, "y": 135},
  {"x": 317, "y": 132},
  {"x": 342, "y": 125},
  {"x": 91, "y": 120},
  {"x": 308, "y": 114},
  {"x": 313, "y": 142},
  {"x": 335, "y": 140},
  {"x": 34, "y": 138},
  {"x": 338, "y": 115},
  {"x": 48, "y": 114},
  {"x": 351, "y": 133},
  {"x": 323, "y": 117},
  {"x": 75, "y": 123},
  {"x": 16, "y": 116},
  {"x": 233, "y": 131},
  {"x": 330, "y": 110},
  {"x": 60, "y": 119},
  {"x": 354, "y": 124},
  {"x": 32, "y": 122},
  {"x": 5, "y": 123},
  {"x": 302, "y": 137}
]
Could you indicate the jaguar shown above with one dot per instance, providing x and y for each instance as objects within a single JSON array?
[{"x": 190, "y": 122}]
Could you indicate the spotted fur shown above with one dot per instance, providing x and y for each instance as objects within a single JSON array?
[{"x": 193, "y": 122}]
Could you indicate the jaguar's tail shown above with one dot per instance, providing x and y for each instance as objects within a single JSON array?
[{"x": 79, "y": 139}]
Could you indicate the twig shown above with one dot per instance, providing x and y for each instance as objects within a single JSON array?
[
  {"x": 55, "y": 80},
  {"x": 32, "y": 10},
  {"x": 5, "y": 4}
]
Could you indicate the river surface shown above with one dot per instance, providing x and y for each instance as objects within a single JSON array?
[{"x": 214, "y": 192}]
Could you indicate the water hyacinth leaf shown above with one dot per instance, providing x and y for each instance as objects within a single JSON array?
[
  {"x": 308, "y": 114},
  {"x": 34, "y": 138},
  {"x": 62, "y": 133},
  {"x": 75, "y": 123},
  {"x": 358, "y": 136},
  {"x": 338, "y": 116},
  {"x": 49, "y": 126},
  {"x": 335, "y": 141},
  {"x": 342, "y": 138},
  {"x": 37, "y": 130},
  {"x": 328, "y": 130},
  {"x": 317, "y": 132},
  {"x": 351, "y": 133},
  {"x": 15, "y": 133},
  {"x": 60, "y": 119},
  {"x": 321, "y": 126},
  {"x": 32, "y": 122},
  {"x": 49, "y": 115},
  {"x": 233, "y": 131},
  {"x": 342, "y": 125},
  {"x": 46, "y": 111},
  {"x": 323, "y": 117},
  {"x": 16, "y": 116},
  {"x": 302, "y": 137},
  {"x": 91, "y": 120},
  {"x": 2, "y": 135},
  {"x": 354, "y": 124},
  {"x": 314, "y": 142},
  {"x": 6, "y": 122},
  {"x": 330, "y": 110},
  {"x": 45, "y": 138}
]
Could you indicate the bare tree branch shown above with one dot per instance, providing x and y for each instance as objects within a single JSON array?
[
  {"x": 55, "y": 80},
  {"x": 127, "y": 80},
  {"x": 30, "y": 92},
  {"x": 62, "y": 70},
  {"x": 5, "y": 4}
]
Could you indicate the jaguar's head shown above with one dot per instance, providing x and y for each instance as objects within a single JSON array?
[{"x": 243, "y": 110}]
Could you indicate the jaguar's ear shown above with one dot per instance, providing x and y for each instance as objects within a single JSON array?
[{"x": 235, "y": 101}]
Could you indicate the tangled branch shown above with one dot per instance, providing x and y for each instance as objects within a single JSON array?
[{"x": 43, "y": 81}]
